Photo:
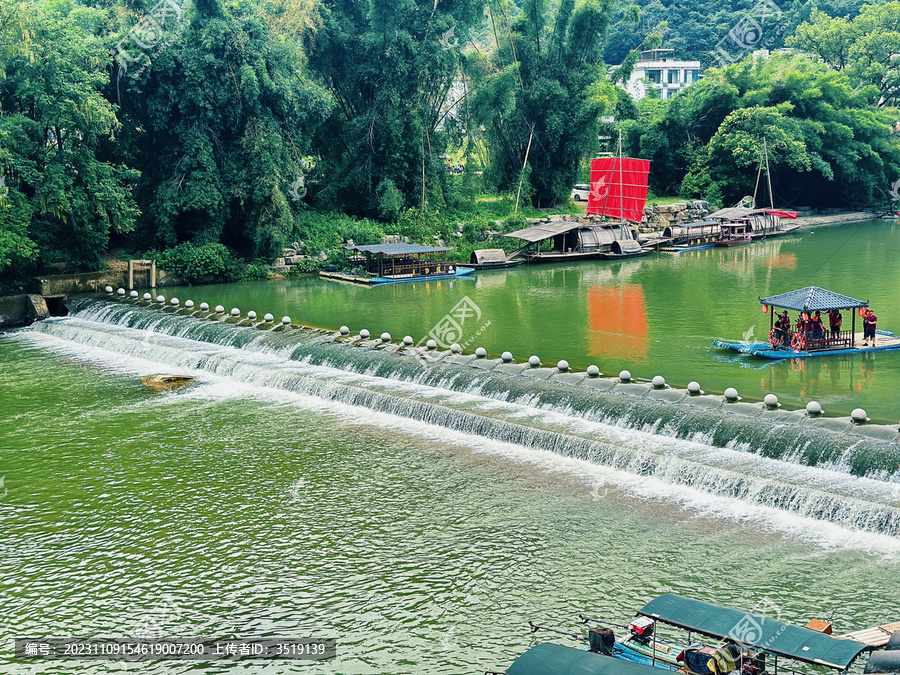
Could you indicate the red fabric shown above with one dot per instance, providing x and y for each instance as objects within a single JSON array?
[
  {"x": 618, "y": 188},
  {"x": 791, "y": 215}
]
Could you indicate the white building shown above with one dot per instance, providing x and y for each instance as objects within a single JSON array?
[{"x": 658, "y": 69}]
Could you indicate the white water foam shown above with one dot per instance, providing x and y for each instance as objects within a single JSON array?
[{"x": 822, "y": 533}]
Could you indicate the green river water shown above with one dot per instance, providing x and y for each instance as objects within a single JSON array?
[
  {"x": 423, "y": 520},
  {"x": 653, "y": 316}
]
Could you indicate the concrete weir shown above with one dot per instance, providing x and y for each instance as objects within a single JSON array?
[{"x": 638, "y": 391}]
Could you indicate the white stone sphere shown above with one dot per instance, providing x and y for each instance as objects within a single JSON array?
[
  {"x": 385, "y": 337},
  {"x": 859, "y": 415},
  {"x": 593, "y": 371},
  {"x": 771, "y": 400},
  {"x": 251, "y": 314},
  {"x": 731, "y": 394},
  {"x": 694, "y": 388},
  {"x": 147, "y": 296},
  {"x": 344, "y": 330},
  {"x": 659, "y": 382},
  {"x": 108, "y": 289},
  {"x": 481, "y": 352},
  {"x": 220, "y": 309},
  {"x": 455, "y": 348},
  {"x": 625, "y": 376},
  {"x": 133, "y": 294},
  {"x": 285, "y": 320},
  {"x": 204, "y": 306},
  {"x": 160, "y": 298},
  {"x": 235, "y": 311},
  {"x": 268, "y": 318},
  {"x": 506, "y": 356},
  {"x": 534, "y": 361},
  {"x": 364, "y": 334},
  {"x": 174, "y": 302},
  {"x": 408, "y": 341},
  {"x": 121, "y": 291},
  {"x": 562, "y": 366},
  {"x": 189, "y": 304},
  {"x": 431, "y": 344},
  {"x": 814, "y": 408}
]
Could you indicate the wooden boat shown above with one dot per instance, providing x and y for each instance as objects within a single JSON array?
[
  {"x": 618, "y": 191},
  {"x": 800, "y": 340},
  {"x": 764, "y": 223},
  {"x": 734, "y": 233},
  {"x": 398, "y": 263},
  {"x": 492, "y": 259},
  {"x": 692, "y": 236}
]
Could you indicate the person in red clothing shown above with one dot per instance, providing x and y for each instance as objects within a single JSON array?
[
  {"x": 869, "y": 321},
  {"x": 817, "y": 328},
  {"x": 835, "y": 319}
]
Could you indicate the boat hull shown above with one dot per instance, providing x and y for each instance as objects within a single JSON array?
[
  {"x": 733, "y": 242},
  {"x": 460, "y": 272}
]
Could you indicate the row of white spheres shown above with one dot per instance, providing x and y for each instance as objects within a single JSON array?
[{"x": 731, "y": 394}]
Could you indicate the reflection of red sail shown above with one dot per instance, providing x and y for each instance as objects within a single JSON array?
[
  {"x": 618, "y": 187},
  {"x": 617, "y": 323}
]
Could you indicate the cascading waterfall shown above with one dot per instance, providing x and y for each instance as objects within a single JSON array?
[{"x": 804, "y": 471}]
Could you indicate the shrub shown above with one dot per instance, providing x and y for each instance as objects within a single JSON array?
[
  {"x": 193, "y": 263},
  {"x": 390, "y": 199}
]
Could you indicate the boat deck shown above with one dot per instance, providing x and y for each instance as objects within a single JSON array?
[
  {"x": 885, "y": 341},
  {"x": 877, "y": 636}
]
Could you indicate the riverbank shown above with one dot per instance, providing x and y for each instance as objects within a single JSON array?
[{"x": 834, "y": 218}]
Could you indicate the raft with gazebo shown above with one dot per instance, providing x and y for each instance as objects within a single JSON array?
[
  {"x": 397, "y": 263},
  {"x": 800, "y": 342}
]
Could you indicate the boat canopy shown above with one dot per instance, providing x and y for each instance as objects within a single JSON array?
[
  {"x": 392, "y": 250},
  {"x": 488, "y": 255},
  {"x": 790, "y": 215},
  {"x": 813, "y": 299},
  {"x": 754, "y": 630},
  {"x": 544, "y": 230},
  {"x": 553, "y": 659}
]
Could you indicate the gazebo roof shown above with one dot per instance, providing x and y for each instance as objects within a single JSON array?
[{"x": 813, "y": 299}]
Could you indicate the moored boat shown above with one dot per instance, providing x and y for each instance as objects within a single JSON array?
[
  {"x": 492, "y": 259},
  {"x": 397, "y": 263},
  {"x": 734, "y": 233}
]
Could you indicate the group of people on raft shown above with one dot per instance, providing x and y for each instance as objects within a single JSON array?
[{"x": 812, "y": 329}]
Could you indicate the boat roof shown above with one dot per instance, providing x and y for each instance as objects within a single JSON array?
[
  {"x": 397, "y": 249},
  {"x": 734, "y": 212},
  {"x": 744, "y": 212},
  {"x": 754, "y": 630},
  {"x": 545, "y": 230},
  {"x": 488, "y": 255},
  {"x": 553, "y": 659},
  {"x": 813, "y": 299}
]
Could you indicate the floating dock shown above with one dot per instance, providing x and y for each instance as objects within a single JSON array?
[
  {"x": 886, "y": 341},
  {"x": 877, "y": 636}
]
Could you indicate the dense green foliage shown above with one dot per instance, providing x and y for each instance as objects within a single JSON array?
[
  {"x": 250, "y": 124},
  {"x": 540, "y": 96},
  {"x": 389, "y": 65},
  {"x": 827, "y": 143},
  {"x": 59, "y": 197}
]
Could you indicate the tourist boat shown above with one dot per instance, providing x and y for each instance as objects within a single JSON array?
[
  {"x": 492, "y": 259},
  {"x": 748, "y": 642},
  {"x": 619, "y": 191},
  {"x": 764, "y": 223},
  {"x": 691, "y": 236},
  {"x": 397, "y": 263},
  {"x": 734, "y": 233},
  {"x": 800, "y": 341}
]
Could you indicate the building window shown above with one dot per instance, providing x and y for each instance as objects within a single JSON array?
[
  {"x": 655, "y": 76},
  {"x": 673, "y": 77}
]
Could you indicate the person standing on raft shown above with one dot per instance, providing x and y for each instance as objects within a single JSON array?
[
  {"x": 835, "y": 319},
  {"x": 869, "y": 322}
]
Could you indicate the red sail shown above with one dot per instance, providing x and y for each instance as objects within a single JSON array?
[{"x": 618, "y": 188}]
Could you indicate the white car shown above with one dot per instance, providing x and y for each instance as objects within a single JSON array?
[{"x": 580, "y": 192}]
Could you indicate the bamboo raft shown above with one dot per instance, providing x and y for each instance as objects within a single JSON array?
[{"x": 877, "y": 636}]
